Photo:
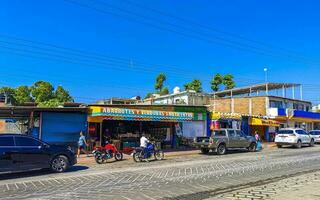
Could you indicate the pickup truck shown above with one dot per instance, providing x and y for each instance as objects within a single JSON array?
[{"x": 223, "y": 139}]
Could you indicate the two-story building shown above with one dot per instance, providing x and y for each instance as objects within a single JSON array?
[
  {"x": 188, "y": 97},
  {"x": 266, "y": 107}
]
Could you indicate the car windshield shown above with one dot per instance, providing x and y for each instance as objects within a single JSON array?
[{"x": 285, "y": 132}]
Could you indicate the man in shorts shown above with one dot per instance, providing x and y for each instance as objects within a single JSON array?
[{"x": 82, "y": 143}]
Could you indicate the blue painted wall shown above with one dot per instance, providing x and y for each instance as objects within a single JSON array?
[
  {"x": 62, "y": 127},
  {"x": 245, "y": 126},
  {"x": 208, "y": 125},
  {"x": 304, "y": 114}
]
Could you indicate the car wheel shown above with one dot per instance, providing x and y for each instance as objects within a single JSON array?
[
  {"x": 59, "y": 164},
  {"x": 252, "y": 147},
  {"x": 204, "y": 151},
  {"x": 299, "y": 144},
  {"x": 221, "y": 149},
  {"x": 311, "y": 143}
]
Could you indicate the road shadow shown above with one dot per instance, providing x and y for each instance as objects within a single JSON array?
[
  {"x": 38, "y": 172},
  {"x": 233, "y": 151},
  {"x": 293, "y": 147},
  {"x": 114, "y": 161}
]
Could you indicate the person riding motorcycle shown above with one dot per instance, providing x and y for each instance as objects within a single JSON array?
[{"x": 144, "y": 144}]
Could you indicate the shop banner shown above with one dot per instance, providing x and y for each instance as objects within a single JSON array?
[
  {"x": 263, "y": 122},
  {"x": 219, "y": 115},
  {"x": 142, "y": 114}
]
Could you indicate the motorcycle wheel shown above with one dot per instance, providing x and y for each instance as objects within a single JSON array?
[
  {"x": 99, "y": 158},
  {"x": 136, "y": 157},
  {"x": 159, "y": 155},
  {"x": 118, "y": 156}
]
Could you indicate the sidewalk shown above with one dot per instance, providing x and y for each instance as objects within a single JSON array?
[
  {"x": 171, "y": 153},
  {"x": 168, "y": 154}
]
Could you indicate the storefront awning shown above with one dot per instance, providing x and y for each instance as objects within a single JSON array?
[
  {"x": 263, "y": 122},
  {"x": 306, "y": 120},
  {"x": 98, "y": 114}
]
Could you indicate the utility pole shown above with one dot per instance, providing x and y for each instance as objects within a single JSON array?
[{"x": 265, "y": 74}]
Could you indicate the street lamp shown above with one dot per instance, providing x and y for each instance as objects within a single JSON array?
[{"x": 265, "y": 74}]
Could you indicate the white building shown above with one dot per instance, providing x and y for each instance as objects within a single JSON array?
[{"x": 189, "y": 97}]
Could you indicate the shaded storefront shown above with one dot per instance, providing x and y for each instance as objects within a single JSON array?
[
  {"x": 290, "y": 118},
  {"x": 52, "y": 125},
  {"x": 225, "y": 120},
  {"x": 124, "y": 126},
  {"x": 266, "y": 128}
]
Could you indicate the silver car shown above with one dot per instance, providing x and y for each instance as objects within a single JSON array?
[{"x": 223, "y": 139}]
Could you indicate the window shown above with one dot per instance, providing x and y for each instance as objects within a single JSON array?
[
  {"x": 240, "y": 133},
  {"x": 219, "y": 133},
  {"x": 307, "y": 108},
  {"x": 298, "y": 106},
  {"x": 315, "y": 132},
  {"x": 276, "y": 104},
  {"x": 301, "y": 132},
  {"x": 231, "y": 133},
  {"x": 6, "y": 141},
  {"x": 285, "y": 132},
  {"x": 27, "y": 142}
]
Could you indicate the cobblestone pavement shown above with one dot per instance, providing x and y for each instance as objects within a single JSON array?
[
  {"x": 191, "y": 177},
  {"x": 301, "y": 186}
]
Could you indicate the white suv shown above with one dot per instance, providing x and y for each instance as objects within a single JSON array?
[
  {"x": 316, "y": 135},
  {"x": 294, "y": 137}
]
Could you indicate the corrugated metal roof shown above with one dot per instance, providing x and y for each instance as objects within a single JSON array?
[{"x": 254, "y": 88}]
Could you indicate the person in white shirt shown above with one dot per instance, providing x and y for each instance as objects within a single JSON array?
[{"x": 144, "y": 143}]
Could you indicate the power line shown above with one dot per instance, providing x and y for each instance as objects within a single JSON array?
[
  {"x": 194, "y": 23},
  {"x": 82, "y": 59},
  {"x": 221, "y": 41}
]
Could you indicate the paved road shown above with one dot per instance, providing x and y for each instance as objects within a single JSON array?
[{"x": 189, "y": 177}]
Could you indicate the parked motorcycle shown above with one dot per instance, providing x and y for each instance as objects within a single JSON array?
[
  {"x": 102, "y": 154},
  {"x": 140, "y": 154}
]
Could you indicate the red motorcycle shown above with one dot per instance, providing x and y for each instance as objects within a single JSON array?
[{"x": 102, "y": 154}]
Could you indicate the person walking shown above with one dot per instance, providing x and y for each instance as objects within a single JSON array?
[
  {"x": 256, "y": 135},
  {"x": 82, "y": 143},
  {"x": 259, "y": 145}
]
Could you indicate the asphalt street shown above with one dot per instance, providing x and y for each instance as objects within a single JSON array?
[{"x": 237, "y": 175}]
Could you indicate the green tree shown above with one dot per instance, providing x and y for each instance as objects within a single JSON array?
[
  {"x": 9, "y": 92},
  {"x": 228, "y": 82},
  {"x": 216, "y": 82},
  {"x": 161, "y": 78},
  {"x": 22, "y": 95},
  {"x": 62, "y": 95},
  {"x": 149, "y": 95},
  {"x": 164, "y": 91},
  {"x": 42, "y": 91},
  {"x": 195, "y": 85},
  {"x": 51, "y": 103}
]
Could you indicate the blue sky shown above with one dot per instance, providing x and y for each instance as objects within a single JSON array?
[{"x": 125, "y": 44}]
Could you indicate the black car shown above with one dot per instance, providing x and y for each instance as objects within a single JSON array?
[{"x": 20, "y": 153}]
